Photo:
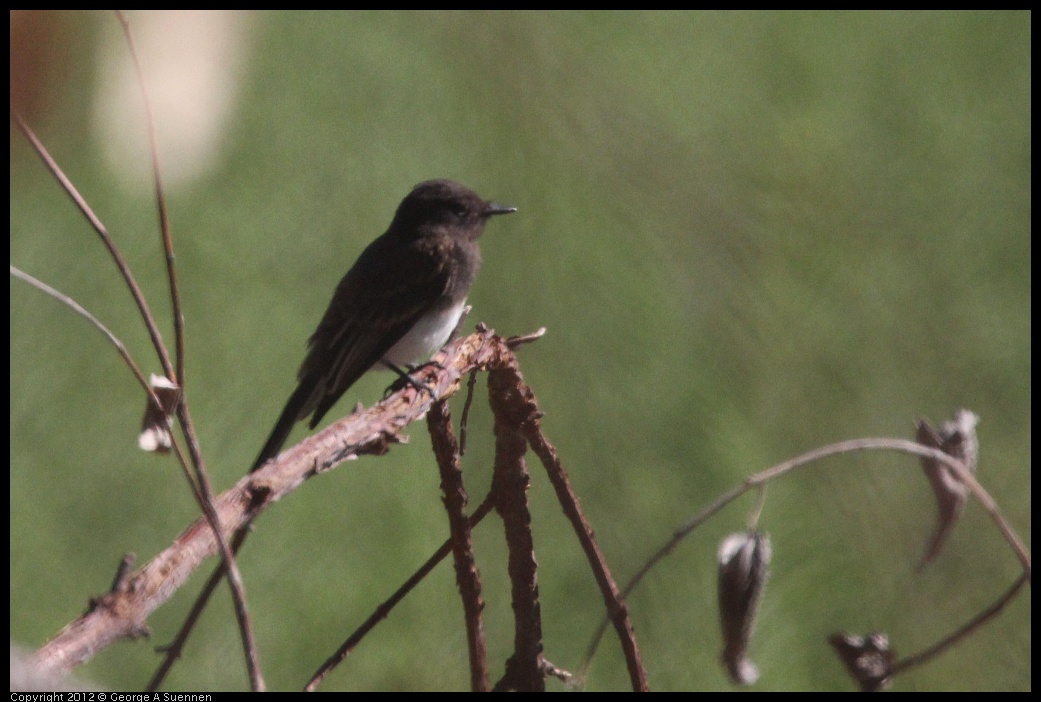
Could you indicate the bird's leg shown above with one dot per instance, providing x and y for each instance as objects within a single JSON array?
[{"x": 407, "y": 379}]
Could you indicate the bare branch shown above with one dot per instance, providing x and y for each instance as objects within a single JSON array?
[{"x": 369, "y": 432}]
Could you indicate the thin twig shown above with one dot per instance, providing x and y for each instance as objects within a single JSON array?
[
  {"x": 515, "y": 341},
  {"x": 384, "y": 609},
  {"x": 760, "y": 479},
  {"x": 80, "y": 310},
  {"x": 117, "y": 256},
  {"x": 123, "y": 352},
  {"x": 202, "y": 477},
  {"x": 464, "y": 420},
  {"x": 160, "y": 201},
  {"x": 614, "y": 599},
  {"x": 963, "y": 631}
]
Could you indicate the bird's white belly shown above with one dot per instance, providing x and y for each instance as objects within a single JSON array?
[{"x": 428, "y": 335}]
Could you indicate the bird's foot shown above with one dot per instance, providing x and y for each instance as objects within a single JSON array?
[{"x": 406, "y": 379}]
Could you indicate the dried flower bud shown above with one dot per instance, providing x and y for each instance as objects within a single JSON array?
[
  {"x": 744, "y": 560},
  {"x": 155, "y": 434},
  {"x": 956, "y": 438},
  {"x": 868, "y": 659}
]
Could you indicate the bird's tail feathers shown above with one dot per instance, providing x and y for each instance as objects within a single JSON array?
[{"x": 291, "y": 414}]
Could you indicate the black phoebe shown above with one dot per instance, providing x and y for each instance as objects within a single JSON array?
[{"x": 398, "y": 303}]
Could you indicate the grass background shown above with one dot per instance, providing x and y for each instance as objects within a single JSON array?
[{"x": 747, "y": 234}]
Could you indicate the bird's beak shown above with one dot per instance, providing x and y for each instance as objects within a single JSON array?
[{"x": 493, "y": 209}]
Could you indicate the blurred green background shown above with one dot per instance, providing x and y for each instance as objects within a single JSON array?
[{"x": 747, "y": 234}]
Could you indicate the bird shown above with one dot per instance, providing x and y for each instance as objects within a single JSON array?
[{"x": 398, "y": 303}]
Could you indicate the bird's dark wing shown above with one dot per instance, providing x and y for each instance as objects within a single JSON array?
[
  {"x": 381, "y": 298},
  {"x": 391, "y": 286}
]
